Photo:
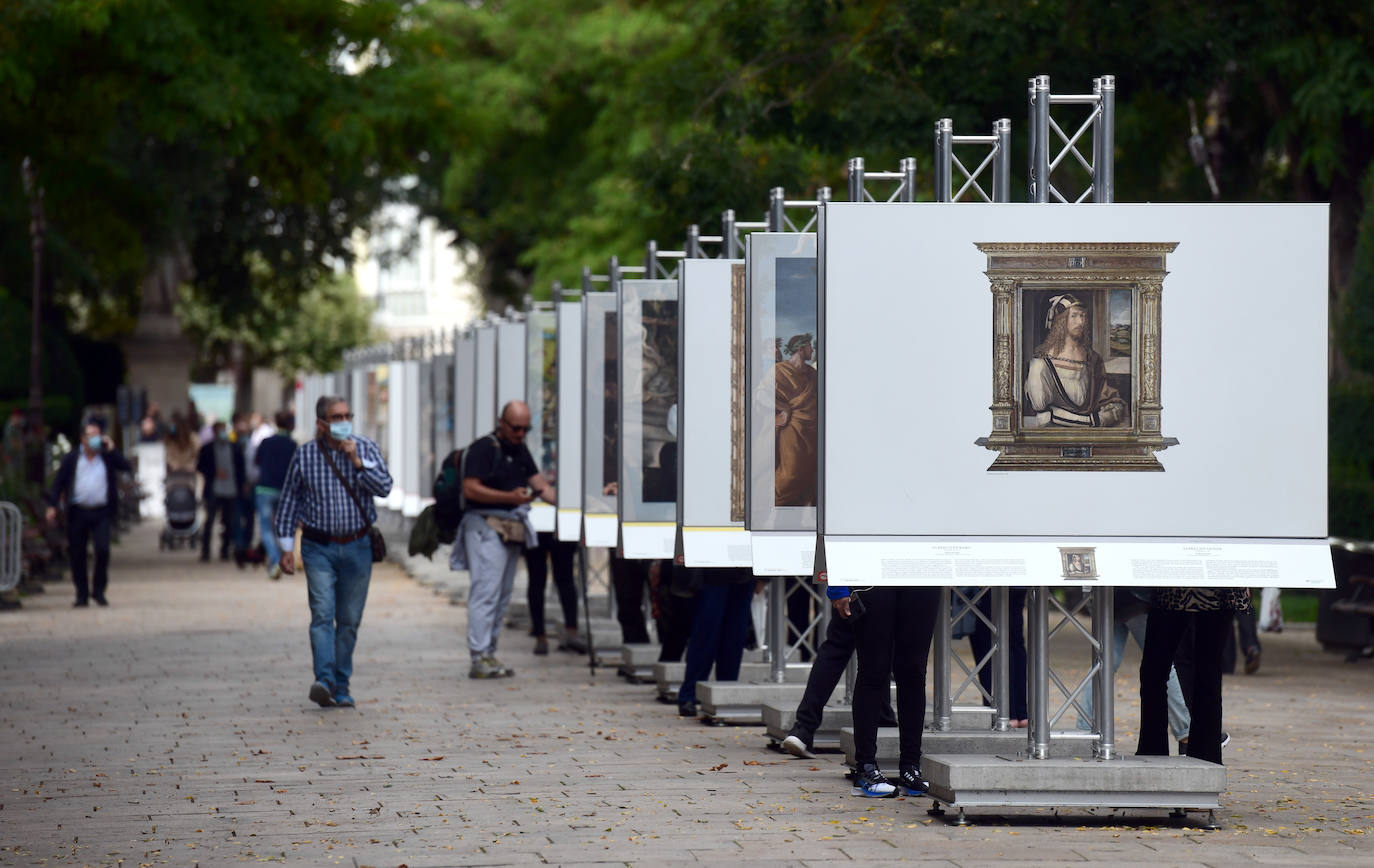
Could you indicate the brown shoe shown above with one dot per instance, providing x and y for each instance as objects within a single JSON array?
[
  {"x": 1252, "y": 660},
  {"x": 541, "y": 645}
]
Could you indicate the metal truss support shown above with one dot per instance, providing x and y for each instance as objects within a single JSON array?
[
  {"x": 655, "y": 265},
  {"x": 778, "y": 205},
  {"x": 733, "y": 232},
  {"x": 1042, "y": 154},
  {"x": 859, "y": 178},
  {"x": 997, "y": 161}
]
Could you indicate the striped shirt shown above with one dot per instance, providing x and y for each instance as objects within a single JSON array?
[{"x": 312, "y": 495}]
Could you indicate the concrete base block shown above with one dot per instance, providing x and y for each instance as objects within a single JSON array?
[
  {"x": 1014, "y": 743},
  {"x": 968, "y": 781},
  {"x": 637, "y": 662},
  {"x": 779, "y": 719},
  {"x": 742, "y": 702},
  {"x": 669, "y": 675}
]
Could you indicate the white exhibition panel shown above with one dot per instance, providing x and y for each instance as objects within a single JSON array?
[
  {"x": 512, "y": 364},
  {"x": 411, "y": 453},
  {"x": 396, "y": 433},
  {"x": 709, "y": 537},
  {"x": 645, "y": 540},
  {"x": 357, "y": 400},
  {"x": 569, "y": 420},
  {"x": 484, "y": 389},
  {"x": 1245, "y": 467},
  {"x": 1120, "y": 561},
  {"x": 541, "y": 384},
  {"x": 600, "y": 529},
  {"x": 782, "y": 553},
  {"x": 908, "y": 335},
  {"x": 600, "y": 511},
  {"x": 647, "y": 357},
  {"x": 717, "y": 547},
  {"x": 464, "y": 390}
]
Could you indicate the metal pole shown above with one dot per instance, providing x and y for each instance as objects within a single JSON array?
[
  {"x": 1039, "y": 675},
  {"x": 651, "y": 260},
  {"x": 908, "y": 169},
  {"x": 777, "y": 627},
  {"x": 856, "y": 179},
  {"x": 586, "y": 607},
  {"x": 727, "y": 231},
  {"x": 692, "y": 249},
  {"x": 944, "y": 159},
  {"x": 777, "y": 216},
  {"x": 1001, "y": 672},
  {"x": 1001, "y": 163},
  {"x": 1040, "y": 139},
  {"x": 1106, "y": 680},
  {"x": 944, "y": 718},
  {"x": 1104, "y": 162}
]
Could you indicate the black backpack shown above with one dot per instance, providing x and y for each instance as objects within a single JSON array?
[{"x": 448, "y": 496}]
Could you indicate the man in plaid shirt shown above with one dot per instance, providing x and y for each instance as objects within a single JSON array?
[{"x": 334, "y": 546}]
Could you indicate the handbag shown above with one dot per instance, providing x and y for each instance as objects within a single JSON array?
[{"x": 374, "y": 536}]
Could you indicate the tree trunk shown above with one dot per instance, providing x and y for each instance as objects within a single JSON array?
[{"x": 37, "y": 231}]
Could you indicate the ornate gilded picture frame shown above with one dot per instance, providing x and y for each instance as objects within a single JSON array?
[{"x": 1076, "y": 355}]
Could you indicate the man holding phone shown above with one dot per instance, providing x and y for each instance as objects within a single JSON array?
[{"x": 500, "y": 479}]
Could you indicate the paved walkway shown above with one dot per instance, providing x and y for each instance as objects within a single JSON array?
[{"x": 173, "y": 728}]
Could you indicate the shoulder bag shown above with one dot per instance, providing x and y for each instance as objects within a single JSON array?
[{"x": 374, "y": 536}]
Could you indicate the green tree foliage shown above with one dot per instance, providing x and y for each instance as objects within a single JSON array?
[
  {"x": 214, "y": 132},
  {"x": 61, "y": 375},
  {"x": 286, "y": 330}
]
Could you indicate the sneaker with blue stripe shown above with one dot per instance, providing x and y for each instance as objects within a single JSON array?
[
  {"x": 912, "y": 782},
  {"x": 870, "y": 783}
]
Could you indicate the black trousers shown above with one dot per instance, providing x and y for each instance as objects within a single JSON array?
[
  {"x": 677, "y": 606},
  {"x": 980, "y": 640},
  {"x": 826, "y": 671},
  {"x": 562, "y": 554},
  {"x": 227, "y": 508},
  {"x": 1249, "y": 638},
  {"x": 89, "y": 527},
  {"x": 629, "y": 579},
  {"x": 894, "y": 642},
  {"x": 1164, "y": 631}
]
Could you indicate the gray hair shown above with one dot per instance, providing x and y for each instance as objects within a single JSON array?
[{"x": 326, "y": 401}]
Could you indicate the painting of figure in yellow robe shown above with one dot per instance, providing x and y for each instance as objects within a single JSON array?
[{"x": 798, "y": 425}]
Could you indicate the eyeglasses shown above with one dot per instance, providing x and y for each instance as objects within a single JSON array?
[
  {"x": 520, "y": 429},
  {"x": 340, "y": 417}
]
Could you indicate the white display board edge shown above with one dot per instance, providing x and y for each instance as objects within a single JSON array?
[
  {"x": 783, "y": 553},
  {"x": 601, "y": 530},
  {"x": 569, "y": 524},
  {"x": 647, "y": 540},
  {"x": 543, "y": 516},
  {"x": 1119, "y": 562},
  {"x": 717, "y": 547}
]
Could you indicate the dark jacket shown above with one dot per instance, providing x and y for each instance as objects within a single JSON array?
[
  {"x": 65, "y": 479},
  {"x": 205, "y": 465}
]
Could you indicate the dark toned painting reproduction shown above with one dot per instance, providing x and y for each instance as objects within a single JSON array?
[
  {"x": 796, "y": 403},
  {"x": 658, "y": 391},
  {"x": 610, "y": 439},
  {"x": 1076, "y": 355},
  {"x": 739, "y": 325}
]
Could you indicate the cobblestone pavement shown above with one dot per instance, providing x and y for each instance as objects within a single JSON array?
[{"x": 173, "y": 728}]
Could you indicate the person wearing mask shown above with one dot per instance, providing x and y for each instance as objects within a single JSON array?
[
  {"x": 86, "y": 485},
  {"x": 221, "y": 466},
  {"x": 328, "y": 490},
  {"x": 270, "y": 461}
]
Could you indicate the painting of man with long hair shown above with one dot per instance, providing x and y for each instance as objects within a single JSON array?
[{"x": 1066, "y": 384}]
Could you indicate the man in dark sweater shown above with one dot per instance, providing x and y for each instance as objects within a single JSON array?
[
  {"x": 221, "y": 466},
  {"x": 272, "y": 458},
  {"x": 87, "y": 485}
]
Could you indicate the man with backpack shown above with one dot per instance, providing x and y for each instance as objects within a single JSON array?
[{"x": 500, "y": 479}]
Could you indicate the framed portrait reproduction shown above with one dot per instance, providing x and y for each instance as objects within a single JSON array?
[
  {"x": 1079, "y": 563},
  {"x": 1076, "y": 355},
  {"x": 647, "y": 355},
  {"x": 541, "y": 383},
  {"x": 783, "y": 381},
  {"x": 600, "y": 440},
  {"x": 564, "y": 419}
]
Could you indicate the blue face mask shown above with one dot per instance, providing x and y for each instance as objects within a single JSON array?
[
  {"x": 341, "y": 430},
  {"x": 94, "y": 442}
]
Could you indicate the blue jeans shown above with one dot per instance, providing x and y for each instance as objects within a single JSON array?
[
  {"x": 336, "y": 578},
  {"x": 266, "y": 502},
  {"x": 718, "y": 633}
]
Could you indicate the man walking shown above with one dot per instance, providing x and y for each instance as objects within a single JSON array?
[
  {"x": 328, "y": 489},
  {"x": 86, "y": 483},
  {"x": 500, "y": 479},
  {"x": 271, "y": 459},
  {"x": 221, "y": 466}
]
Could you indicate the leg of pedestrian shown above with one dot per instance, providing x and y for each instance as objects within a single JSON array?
[{"x": 321, "y": 577}]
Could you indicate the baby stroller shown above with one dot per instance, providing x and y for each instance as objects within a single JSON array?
[{"x": 183, "y": 519}]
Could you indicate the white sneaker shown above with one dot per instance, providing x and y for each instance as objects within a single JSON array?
[{"x": 795, "y": 746}]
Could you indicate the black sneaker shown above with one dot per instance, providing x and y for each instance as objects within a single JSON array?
[
  {"x": 870, "y": 783},
  {"x": 1225, "y": 738},
  {"x": 688, "y": 709},
  {"x": 912, "y": 782}
]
